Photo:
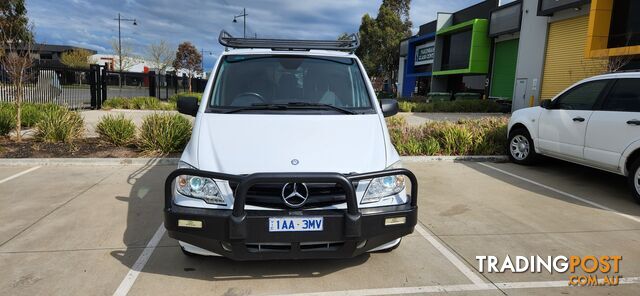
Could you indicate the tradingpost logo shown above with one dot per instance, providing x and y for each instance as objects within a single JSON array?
[{"x": 581, "y": 269}]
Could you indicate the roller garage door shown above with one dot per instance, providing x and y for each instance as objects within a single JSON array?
[
  {"x": 504, "y": 69},
  {"x": 565, "y": 61}
]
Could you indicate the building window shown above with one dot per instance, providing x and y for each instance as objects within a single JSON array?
[
  {"x": 456, "y": 50},
  {"x": 505, "y": 20},
  {"x": 625, "y": 26},
  {"x": 474, "y": 83}
]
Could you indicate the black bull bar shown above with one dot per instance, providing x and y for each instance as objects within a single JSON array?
[{"x": 237, "y": 225}]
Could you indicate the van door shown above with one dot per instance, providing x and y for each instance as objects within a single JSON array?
[
  {"x": 562, "y": 128},
  {"x": 615, "y": 126}
]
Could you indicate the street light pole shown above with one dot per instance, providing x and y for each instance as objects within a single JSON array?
[
  {"x": 244, "y": 20},
  {"x": 202, "y": 52},
  {"x": 120, "y": 19}
]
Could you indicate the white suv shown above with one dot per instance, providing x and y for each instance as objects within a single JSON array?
[
  {"x": 595, "y": 122},
  {"x": 290, "y": 158}
]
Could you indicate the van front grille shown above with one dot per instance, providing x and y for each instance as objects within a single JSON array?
[{"x": 270, "y": 195}]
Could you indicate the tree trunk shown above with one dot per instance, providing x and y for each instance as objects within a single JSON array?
[
  {"x": 19, "y": 94},
  {"x": 189, "y": 83}
]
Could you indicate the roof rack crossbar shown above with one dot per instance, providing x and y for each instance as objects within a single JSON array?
[{"x": 350, "y": 44}]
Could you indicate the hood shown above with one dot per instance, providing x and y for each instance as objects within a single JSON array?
[{"x": 252, "y": 143}]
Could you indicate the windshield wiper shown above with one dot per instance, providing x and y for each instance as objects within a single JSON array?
[
  {"x": 288, "y": 106},
  {"x": 258, "y": 106},
  {"x": 318, "y": 105}
]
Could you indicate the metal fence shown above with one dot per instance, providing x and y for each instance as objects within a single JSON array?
[
  {"x": 170, "y": 84},
  {"x": 88, "y": 88},
  {"x": 63, "y": 86}
]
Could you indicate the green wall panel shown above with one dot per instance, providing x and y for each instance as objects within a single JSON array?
[
  {"x": 504, "y": 68},
  {"x": 480, "y": 47}
]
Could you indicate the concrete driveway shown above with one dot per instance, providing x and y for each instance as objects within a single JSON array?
[{"x": 76, "y": 230}]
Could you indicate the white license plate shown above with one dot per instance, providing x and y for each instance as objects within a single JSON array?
[{"x": 284, "y": 224}]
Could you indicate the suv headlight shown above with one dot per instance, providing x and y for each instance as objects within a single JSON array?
[
  {"x": 198, "y": 187},
  {"x": 384, "y": 186}
]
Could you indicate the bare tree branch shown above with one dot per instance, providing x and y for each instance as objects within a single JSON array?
[
  {"x": 129, "y": 59},
  {"x": 161, "y": 55},
  {"x": 16, "y": 61}
]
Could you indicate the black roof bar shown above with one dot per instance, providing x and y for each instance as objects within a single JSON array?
[{"x": 283, "y": 44}]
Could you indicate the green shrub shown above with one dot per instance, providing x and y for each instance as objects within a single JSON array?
[
  {"x": 7, "y": 120},
  {"x": 406, "y": 106},
  {"x": 117, "y": 130},
  {"x": 174, "y": 98},
  {"x": 164, "y": 133},
  {"x": 59, "y": 125},
  {"x": 430, "y": 146},
  {"x": 32, "y": 113},
  {"x": 462, "y": 106},
  {"x": 138, "y": 103},
  {"x": 466, "y": 137},
  {"x": 456, "y": 140}
]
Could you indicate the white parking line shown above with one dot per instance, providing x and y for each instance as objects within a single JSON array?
[
  {"x": 19, "y": 174},
  {"x": 468, "y": 272},
  {"x": 457, "y": 288},
  {"x": 569, "y": 195},
  {"x": 133, "y": 273}
]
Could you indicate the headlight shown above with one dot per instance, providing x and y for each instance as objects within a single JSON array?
[
  {"x": 384, "y": 186},
  {"x": 199, "y": 187}
]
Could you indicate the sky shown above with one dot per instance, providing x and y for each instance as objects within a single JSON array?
[{"x": 90, "y": 23}]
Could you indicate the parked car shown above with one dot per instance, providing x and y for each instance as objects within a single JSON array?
[
  {"x": 595, "y": 122},
  {"x": 290, "y": 158}
]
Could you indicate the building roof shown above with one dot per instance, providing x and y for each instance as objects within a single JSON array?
[{"x": 58, "y": 48}]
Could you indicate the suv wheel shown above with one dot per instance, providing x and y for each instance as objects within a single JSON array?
[
  {"x": 521, "y": 149},
  {"x": 634, "y": 180}
]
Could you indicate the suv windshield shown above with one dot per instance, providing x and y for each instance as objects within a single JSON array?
[{"x": 268, "y": 83}]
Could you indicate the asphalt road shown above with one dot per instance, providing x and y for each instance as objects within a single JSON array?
[{"x": 77, "y": 230}]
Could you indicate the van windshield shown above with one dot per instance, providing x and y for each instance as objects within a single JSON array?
[{"x": 268, "y": 83}]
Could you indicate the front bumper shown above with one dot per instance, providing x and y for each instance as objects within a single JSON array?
[{"x": 243, "y": 235}]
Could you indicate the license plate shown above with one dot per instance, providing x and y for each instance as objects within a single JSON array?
[{"x": 284, "y": 224}]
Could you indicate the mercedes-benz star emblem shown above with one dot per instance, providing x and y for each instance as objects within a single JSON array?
[
  {"x": 295, "y": 195},
  {"x": 295, "y": 162}
]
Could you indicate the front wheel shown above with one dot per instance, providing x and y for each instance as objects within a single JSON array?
[
  {"x": 521, "y": 149},
  {"x": 634, "y": 180}
]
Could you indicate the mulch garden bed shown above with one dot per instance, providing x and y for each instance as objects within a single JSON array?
[{"x": 83, "y": 148}]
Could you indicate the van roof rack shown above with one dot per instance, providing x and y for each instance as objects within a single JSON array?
[{"x": 287, "y": 44}]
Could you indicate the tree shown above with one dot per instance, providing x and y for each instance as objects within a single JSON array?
[
  {"x": 16, "y": 40},
  {"x": 188, "y": 59},
  {"x": 161, "y": 55},
  {"x": 129, "y": 59},
  {"x": 14, "y": 22},
  {"x": 77, "y": 58},
  {"x": 344, "y": 36},
  {"x": 380, "y": 37}
]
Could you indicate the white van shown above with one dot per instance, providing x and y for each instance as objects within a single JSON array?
[{"x": 290, "y": 158}]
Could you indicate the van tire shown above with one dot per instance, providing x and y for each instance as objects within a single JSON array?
[
  {"x": 633, "y": 181},
  {"x": 520, "y": 147}
]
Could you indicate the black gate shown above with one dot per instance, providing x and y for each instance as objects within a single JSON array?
[{"x": 88, "y": 88}]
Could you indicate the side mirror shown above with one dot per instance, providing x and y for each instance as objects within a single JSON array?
[
  {"x": 389, "y": 107},
  {"x": 546, "y": 104},
  {"x": 188, "y": 105}
]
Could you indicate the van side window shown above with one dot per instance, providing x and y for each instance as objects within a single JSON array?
[
  {"x": 581, "y": 97},
  {"x": 625, "y": 96}
]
